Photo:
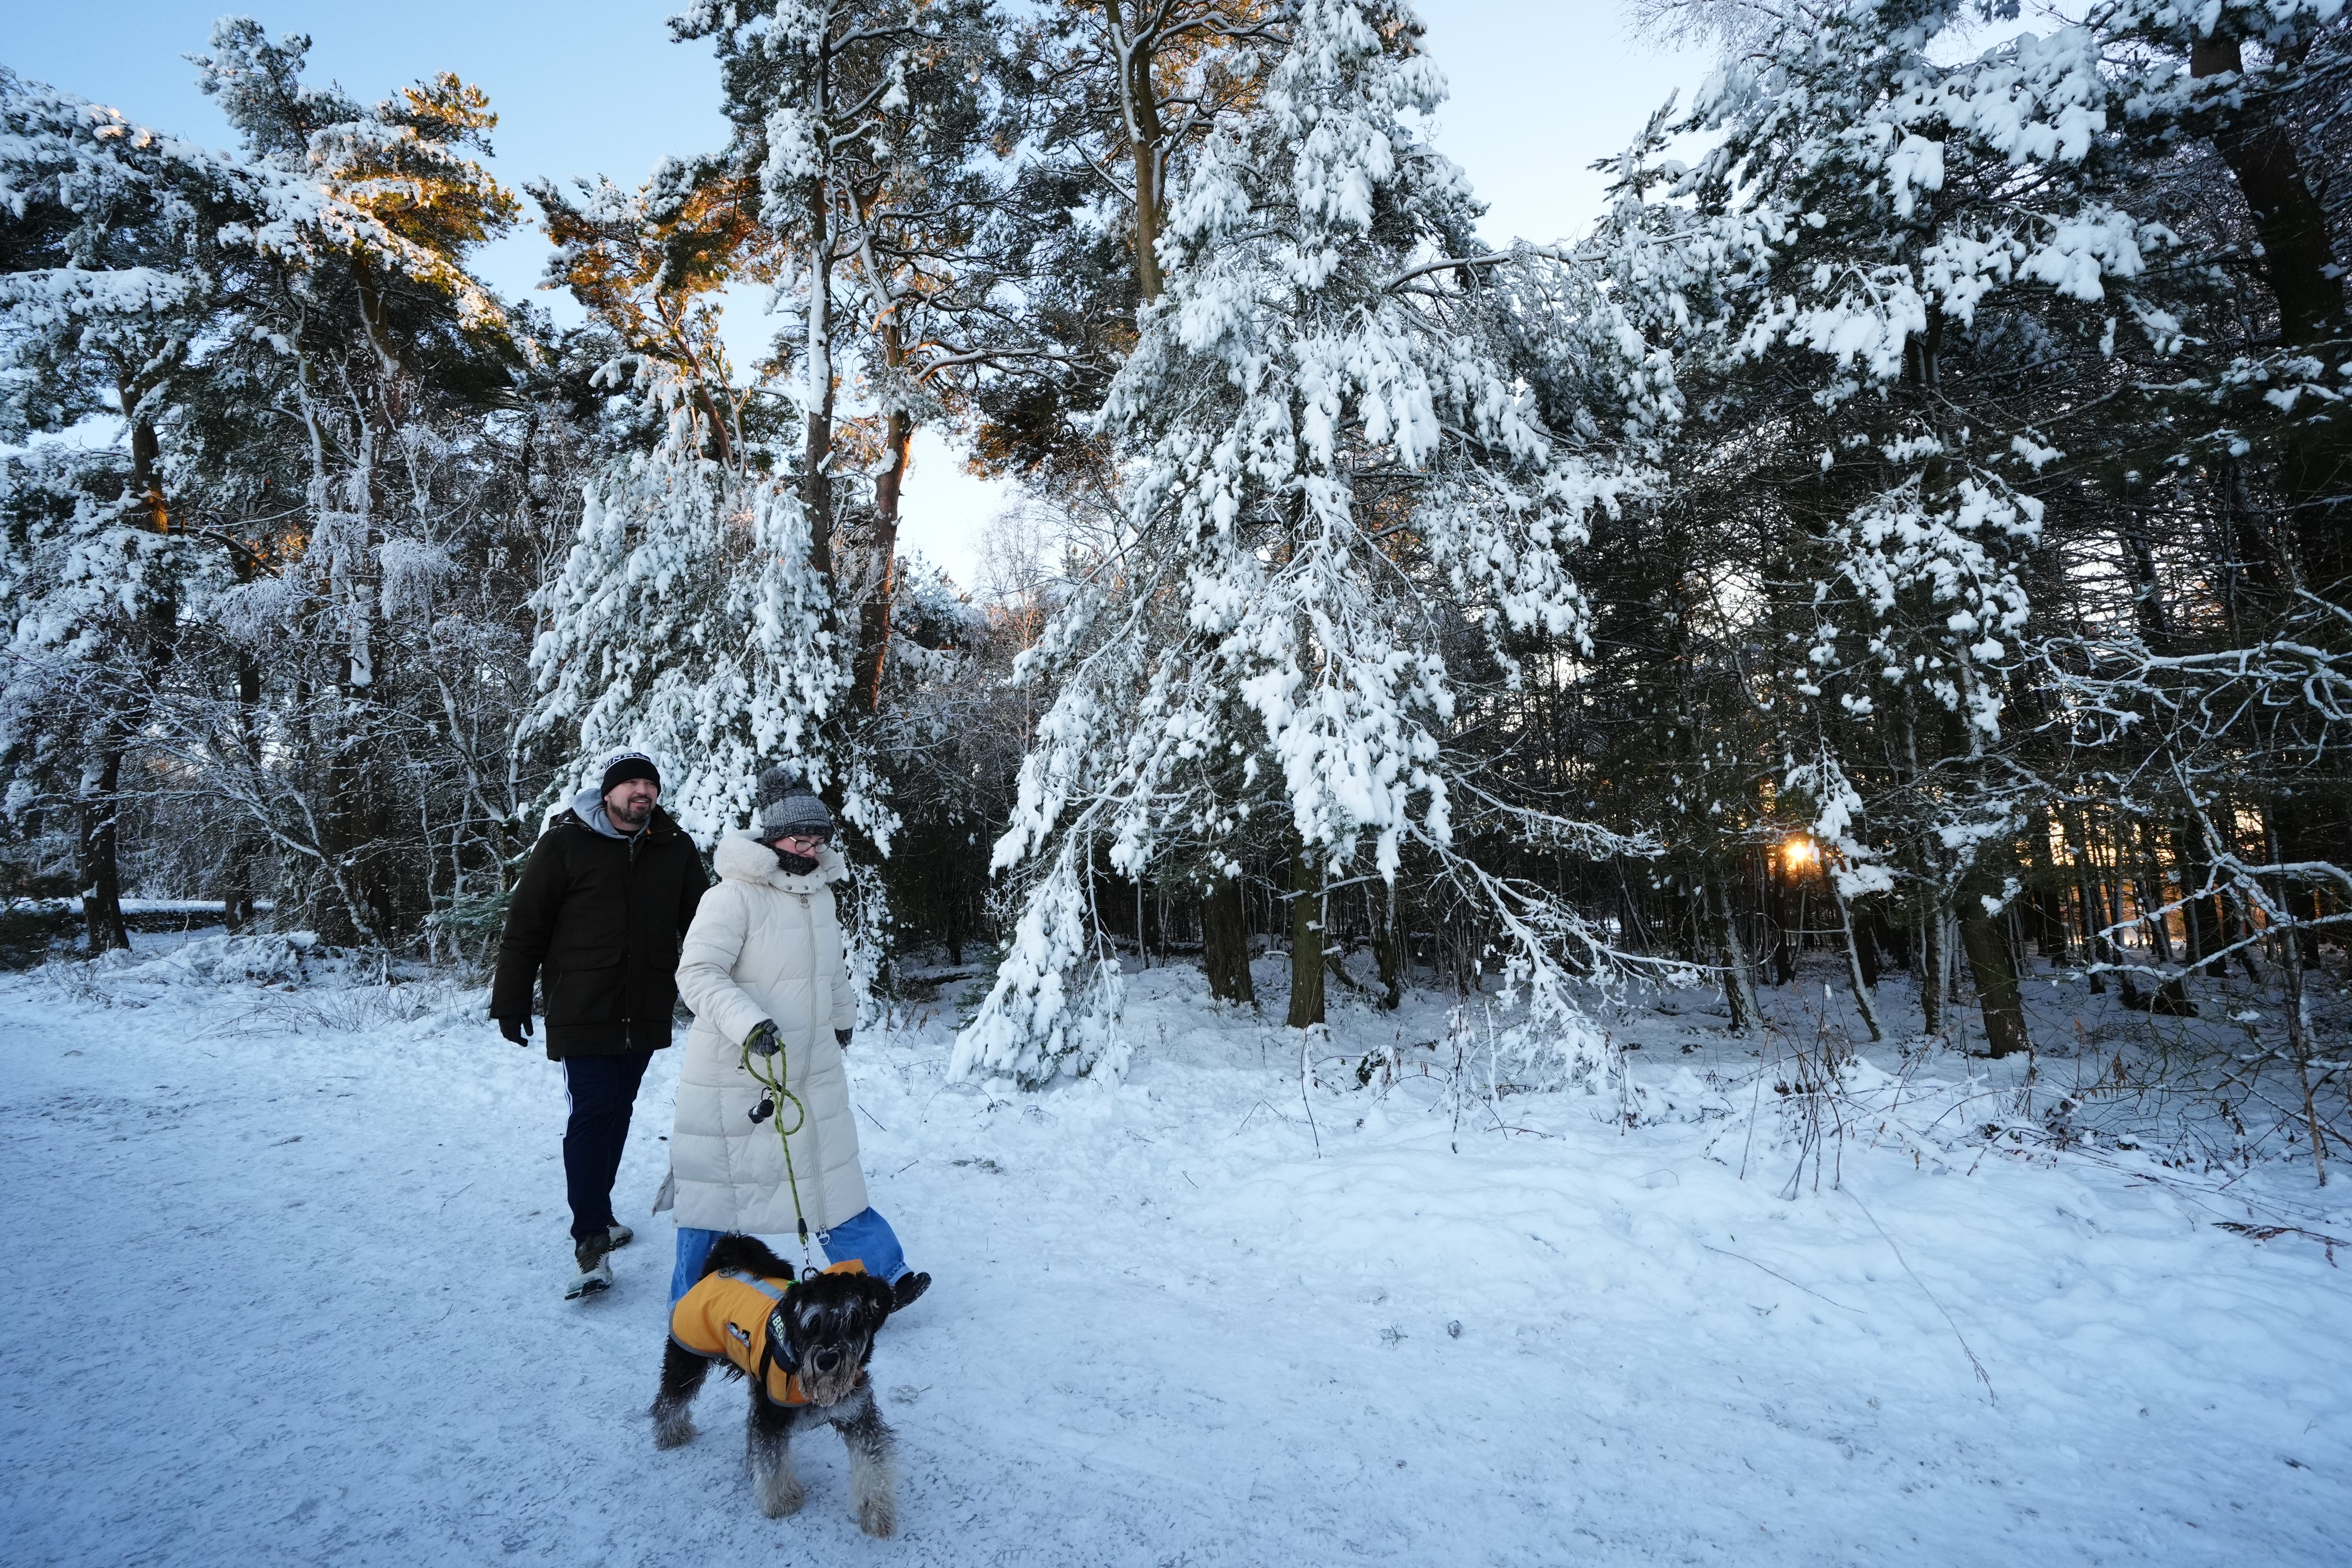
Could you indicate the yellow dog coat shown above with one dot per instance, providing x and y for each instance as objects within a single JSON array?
[{"x": 736, "y": 1315}]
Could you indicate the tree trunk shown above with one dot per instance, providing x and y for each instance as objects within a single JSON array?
[
  {"x": 2206, "y": 936},
  {"x": 337, "y": 781},
  {"x": 2299, "y": 1047},
  {"x": 374, "y": 318},
  {"x": 1867, "y": 954},
  {"x": 714, "y": 418},
  {"x": 1389, "y": 952},
  {"x": 102, "y": 874},
  {"x": 1893, "y": 942},
  {"x": 2232, "y": 930},
  {"x": 146, "y": 454},
  {"x": 2296, "y": 258},
  {"x": 2252, "y": 571},
  {"x": 817, "y": 389},
  {"x": 1145, "y": 134},
  {"x": 238, "y": 897},
  {"x": 874, "y": 615},
  {"x": 2046, "y": 906},
  {"x": 1731, "y": 954},
  {"x": 2089, "y": 921},
  {"x": 1863, "y": 976},
  {"x": 1776, "y": 913},
  {"x": 1994, "y": 967},
  {"x": 1934, "y": 969},
  {"x": 2299, "y": 263},
  {"x": 1224, "y": 941},
  {"x": 2171, "y": 998},
  {"x": 1684, "y": 921},
  {"x": 2300, "y": 1043},
  {"x": 1305, "y": 939},
  {"x": 2111, "y": 953},
  {"x": 2148, "y": 611}
]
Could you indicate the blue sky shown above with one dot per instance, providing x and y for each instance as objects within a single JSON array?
[{"x": 596, "y": 87}]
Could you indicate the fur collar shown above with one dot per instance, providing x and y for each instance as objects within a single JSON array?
[{"x": 740, "y": 858}]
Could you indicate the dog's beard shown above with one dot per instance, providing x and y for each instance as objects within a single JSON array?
[{"x": 833, "y": 1387}]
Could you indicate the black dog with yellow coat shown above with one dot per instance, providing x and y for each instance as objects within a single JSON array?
[{"x": 805, "y": 1344}]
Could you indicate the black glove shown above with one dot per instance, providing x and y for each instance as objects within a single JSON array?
[
  {"x": 841, "y": 1038},
  {"x": 516, "y": 1029},
  {"x": 762, "y": 1041}
]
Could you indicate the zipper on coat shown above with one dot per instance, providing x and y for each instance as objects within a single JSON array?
[{"x": 626, "y": 1039}]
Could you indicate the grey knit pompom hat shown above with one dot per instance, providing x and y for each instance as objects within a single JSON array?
[{"x": 787, "y": 806}]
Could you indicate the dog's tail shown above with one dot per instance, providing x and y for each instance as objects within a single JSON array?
[{"x": 747, "y": 1254}]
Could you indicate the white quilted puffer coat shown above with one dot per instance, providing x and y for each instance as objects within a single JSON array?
[{"x": 764, "y": 944}]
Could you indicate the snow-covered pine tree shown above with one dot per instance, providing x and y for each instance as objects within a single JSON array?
[
  {"x": 2262, "y": 76},
  {"x": 688, "y": 620},
  {"x": 87, "y": 588},
  {"x": 1336, "y": 489},
  {"x": 368, "y": 209},
  {"x": 1105, "y": 104},
  {"x": 1896, "y": 274},
  {"x": 911, "y": 192},
  {"x": 283, "y": 337},
  {"x": 722, "y": 606},
  {"x": 350, "y": 385},
  {"x": 1976, "y": 347},
  {"x": 110, "y": 235},
  {"x": 856, "y": 122},
  {"x": 1662, "y": 719},
  {"x": 2225, "y": 683}
]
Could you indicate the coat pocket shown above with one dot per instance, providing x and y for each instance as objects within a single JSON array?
[{"x": 587, "y": 988}]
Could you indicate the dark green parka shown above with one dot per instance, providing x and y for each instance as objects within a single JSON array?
[{"x": 596, "y": 921}]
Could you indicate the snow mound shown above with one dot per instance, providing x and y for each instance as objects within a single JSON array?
[{"x": 268, "y": 958}]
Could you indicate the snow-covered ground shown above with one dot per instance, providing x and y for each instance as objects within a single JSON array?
[{"x": 284, "y": 1279}]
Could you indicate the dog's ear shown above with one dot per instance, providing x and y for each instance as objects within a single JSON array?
[
  {"x": 746, "y": 1253},
  {"x": 877, "y": 1298}
]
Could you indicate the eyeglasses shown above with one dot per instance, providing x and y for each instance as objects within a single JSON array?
[{"x": 797, "y": 840}]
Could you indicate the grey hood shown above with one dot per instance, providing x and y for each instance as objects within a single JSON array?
[{"x": 588, "y": 805}]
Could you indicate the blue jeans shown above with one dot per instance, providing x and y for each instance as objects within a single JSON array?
[{"x": 864, "y": 1236}]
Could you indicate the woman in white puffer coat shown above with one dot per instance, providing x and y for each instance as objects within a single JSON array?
[{"x": 762, "y": 965}]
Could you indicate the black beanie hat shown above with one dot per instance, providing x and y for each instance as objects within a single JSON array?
[{"x": 623, "y": 766}]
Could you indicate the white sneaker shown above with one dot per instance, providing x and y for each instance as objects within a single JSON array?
[{"x": 595, "y": 1276}]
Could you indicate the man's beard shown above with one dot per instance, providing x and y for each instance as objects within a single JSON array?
[{"x": 629, "y": 818}]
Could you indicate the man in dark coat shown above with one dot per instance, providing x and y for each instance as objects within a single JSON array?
[{"x": 609, "y": 889}]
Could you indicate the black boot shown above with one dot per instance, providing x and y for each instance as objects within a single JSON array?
[{"x": 907, "y": 1289}]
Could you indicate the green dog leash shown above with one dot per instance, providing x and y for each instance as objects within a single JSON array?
[{"x": 769, "y": 1070}]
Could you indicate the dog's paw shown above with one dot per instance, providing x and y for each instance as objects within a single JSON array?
[
  {"x": 878, "y": 1516},
  {"x": 675, "y": 1434},
  {"x": 781, "y": 1494}
]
